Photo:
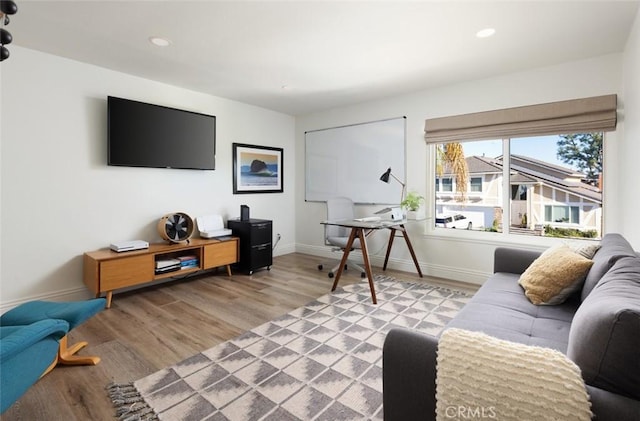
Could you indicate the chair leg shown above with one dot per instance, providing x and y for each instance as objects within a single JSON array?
[
  {"x": 51, "y": 367},
  {"x": 66, "y": 355}
]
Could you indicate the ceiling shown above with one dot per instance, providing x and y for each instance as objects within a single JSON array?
[{"x": 298, "y": 57}]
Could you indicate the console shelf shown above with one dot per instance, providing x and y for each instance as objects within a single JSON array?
[{"x": 105, "y": 270}]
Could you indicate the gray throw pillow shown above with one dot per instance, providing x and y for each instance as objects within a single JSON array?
[
  {"x": 604, "y": 337},
  {"x": 612, "y": 247},
  {"x": 587, "y": 250}
]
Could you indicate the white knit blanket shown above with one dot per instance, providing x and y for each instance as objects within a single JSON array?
[{"x": 481, "y": 377}]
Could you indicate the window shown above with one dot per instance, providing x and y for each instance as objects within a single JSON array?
[
  {"x": 562, "y": 214},
  {"x": 518, "y": 192},
  {"x": 476, "y": 185},
  {"x": 478, "y": 208},
  {"x": 552, "y": 186},
  {"x": 550, "y": 169},
  {"x": 561, "y": 177},
  {"x": 447, "y": 184}
]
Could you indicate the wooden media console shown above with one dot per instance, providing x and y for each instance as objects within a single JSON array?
[{"x": 105, "y": 270}]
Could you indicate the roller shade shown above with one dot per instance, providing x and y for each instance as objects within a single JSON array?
[{"x": 562, "y": 117}]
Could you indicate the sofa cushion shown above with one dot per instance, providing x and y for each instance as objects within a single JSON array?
[
  {"x": 603, "y": 339},
  {"x": 499, "y": 308},
  {"x": 555, "y": 275},
  {"x": 612, "y": 247}
]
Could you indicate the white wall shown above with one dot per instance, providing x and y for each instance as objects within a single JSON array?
[
  {"x": 630, "y": 148},
  {"x": 60, "y": 199},
  {"x": 463, "y": 255}
]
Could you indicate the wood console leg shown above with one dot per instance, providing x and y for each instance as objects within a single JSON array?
[
  {"x": 229, "y": 270},
  {"x": 109, "y": 297},
  {"x": 67, "y": 355}
]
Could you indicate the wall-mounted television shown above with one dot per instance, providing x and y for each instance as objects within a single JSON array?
[{"x": 147, "y": 135}]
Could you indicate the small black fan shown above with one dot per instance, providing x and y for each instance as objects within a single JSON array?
[{"x": 175, "y": 227}]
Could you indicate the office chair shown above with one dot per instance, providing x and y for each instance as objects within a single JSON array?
[{"x": 340, "y": 208}]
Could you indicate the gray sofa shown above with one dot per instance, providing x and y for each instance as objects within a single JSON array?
[{"x": 598, "y": 328}]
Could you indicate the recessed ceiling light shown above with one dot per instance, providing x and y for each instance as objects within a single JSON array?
[
  {"x": 485, "y": 33},
  {"x": 159, "y": 41}
]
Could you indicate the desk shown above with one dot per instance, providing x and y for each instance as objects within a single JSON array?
[{"x": 359, "y": 229}]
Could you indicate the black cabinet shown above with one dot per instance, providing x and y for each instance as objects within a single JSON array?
[{"x": 255, "y": 243}]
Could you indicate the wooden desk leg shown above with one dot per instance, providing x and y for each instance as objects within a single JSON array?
[
  {"x": 367, "y": 265},
  {"x": 413, "y": 254},
  {"x": 391, "y": 237},
  {"x": 345, "y": 255}
]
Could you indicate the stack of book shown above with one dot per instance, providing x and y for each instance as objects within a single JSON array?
[
  {"x": 167, "y": 265},
  {"x": 188, "y": 262}
]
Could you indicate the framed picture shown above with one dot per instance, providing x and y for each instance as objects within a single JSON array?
[{"x": 257, "y": 169}]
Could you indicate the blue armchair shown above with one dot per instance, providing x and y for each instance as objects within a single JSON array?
[
  {"x": 26, "y": 353},
  {"x": 33, "y": 339},
  {"x": 73, "y": 312}
]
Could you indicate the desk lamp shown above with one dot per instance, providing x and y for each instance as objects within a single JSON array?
[{"x": 385, "y": 177}]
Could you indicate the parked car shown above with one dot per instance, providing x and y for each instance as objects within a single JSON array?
[{"x": 453, "y": 220}]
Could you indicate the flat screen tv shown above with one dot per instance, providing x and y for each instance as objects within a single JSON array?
[{"x": 147, "y": 135}]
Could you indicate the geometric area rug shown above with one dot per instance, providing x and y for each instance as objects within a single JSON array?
[{"x": 322, "y": 361}]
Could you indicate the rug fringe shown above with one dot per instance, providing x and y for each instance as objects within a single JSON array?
[{"x": 129, "y": 404}]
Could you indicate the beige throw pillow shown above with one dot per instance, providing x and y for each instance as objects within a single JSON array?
[{"x": 555, "y": 275}]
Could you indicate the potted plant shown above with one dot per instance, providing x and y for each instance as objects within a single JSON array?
[{"x": 412, "y": 204}]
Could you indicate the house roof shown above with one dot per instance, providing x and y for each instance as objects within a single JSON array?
[
  {"x": 478, "y": 164},
  {"x": 528, "y": 162},
  {"x": 527, "y": 170}
]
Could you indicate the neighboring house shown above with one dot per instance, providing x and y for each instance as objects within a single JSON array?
[{"x": 541, "y": 193}]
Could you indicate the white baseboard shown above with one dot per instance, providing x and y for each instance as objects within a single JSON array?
[
  {"x": 71, "y": 294},
  {"x": 81, "y": 293},
  {"x": 284, "y": 249},
  {"x": 430, "y": 269}
]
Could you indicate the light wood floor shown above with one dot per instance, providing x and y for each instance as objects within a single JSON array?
[{"x": 157, "y": 326}]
